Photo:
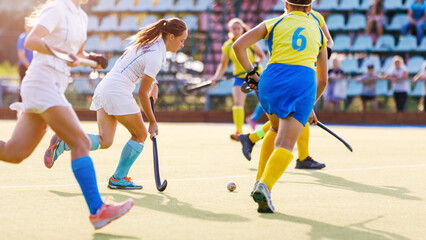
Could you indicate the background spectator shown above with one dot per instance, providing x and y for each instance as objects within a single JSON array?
[
  {"x": 398, "y": 76},
  {"x": 25, "y": 56},
  {"x": 421, "y": 76},
  {"x": 334, "y": 91},
  {"x": 416, "y": 18},
  {"x": 376, "y": 16},
  {"x": 369, "y": 88}
]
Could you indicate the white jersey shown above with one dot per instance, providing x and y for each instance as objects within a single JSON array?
[
  {"x": 67, "y": 25},
  {"x": 401, "y": 85},
  {"x": 138, "y": 61}
]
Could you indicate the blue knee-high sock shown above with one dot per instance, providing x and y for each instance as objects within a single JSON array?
[
  {"x": 129, "y": 154},
  {"x": 257, "y": 113},
  {"x": 85, "y": 174},
  {"x": 94, "y": 143}
]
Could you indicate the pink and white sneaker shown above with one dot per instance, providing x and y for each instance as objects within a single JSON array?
[{"x": 109, "y": 212}]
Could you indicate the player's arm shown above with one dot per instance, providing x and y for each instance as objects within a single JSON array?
[
  {"x": 245, "y": 41},
  {"x": 259, "y": 52},
  {"x": 221, "y": 69},
  {"x": 146, "y": 83},
  {"x": 327, "y": 34},
  {"x": 322, "y": 73},
  {"x": 34, "y": 40}
]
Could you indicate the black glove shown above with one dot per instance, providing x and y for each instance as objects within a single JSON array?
[
  {"x": 99, "y": 58},
  {"x": 329, "y": 52},
  {"x": 250, "y": 80}
]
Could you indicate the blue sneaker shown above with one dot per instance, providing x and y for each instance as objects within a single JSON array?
[
  {"x": 55, "y": 149},
  {"x": 309, "y": 163},
  {"x": 247, "y": 145},
  {"x": 263, "y": 197},
  {"x": 123, "y": 183},
  {"x": 254, "y": 187}
]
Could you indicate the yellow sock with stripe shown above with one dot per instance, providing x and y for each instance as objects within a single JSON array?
[
  {"x": 266, "y": 150},
  {"x": 277, "y": 164},
  {"x": 303, "y": 143},
  {"x": 260, "y": 132},
  {"x": 238, "y": 115}
]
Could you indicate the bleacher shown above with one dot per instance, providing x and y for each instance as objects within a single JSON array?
[{"x": 111, "y": 22}]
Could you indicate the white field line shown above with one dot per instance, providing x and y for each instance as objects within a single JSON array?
[{"x": 226, "y": 177}]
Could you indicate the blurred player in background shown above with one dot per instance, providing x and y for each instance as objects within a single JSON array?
[
  {"x": 114, "y": 102},
  {"x": 288, "y": 88},
  {"x": 61, "y": 25},
  {"x": 237, "y": 28},
  {"x": 304, "y": 161},
  {"x": 25, "y": 56}
]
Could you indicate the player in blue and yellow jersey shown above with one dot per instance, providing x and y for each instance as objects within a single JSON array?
[
  {"x": 237, "y": 28},
  {"x": 295, "y": 77},
  {"x": 304, "y": 161}
]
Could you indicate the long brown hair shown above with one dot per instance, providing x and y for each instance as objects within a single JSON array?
[
  {"x": 241, "y": 22},
  {"x": 148, "y": 35}
]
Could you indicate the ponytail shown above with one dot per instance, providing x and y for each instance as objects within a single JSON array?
[{"x": 148, "y": 35}]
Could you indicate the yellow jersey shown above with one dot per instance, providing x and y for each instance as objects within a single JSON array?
[
  {"x": 294, "y": 39},
  {"x": 227, "y": 50},
  {"x": 317, "y": 17}
]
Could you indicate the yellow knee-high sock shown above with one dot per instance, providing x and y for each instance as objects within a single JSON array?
[
  {"x": 265, "y": 152},
  {"x": 303, "y": 143},
  {"x": 277, "y": 164},
  {"x": 238, "y": 115},
  {"x": 260, "y": 132}
]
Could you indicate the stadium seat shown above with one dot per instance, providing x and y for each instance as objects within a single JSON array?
[
  {"x": 125, "y": 43},
  {"x": 342, "y": 43},
  {"x": 336, "y": 22},
  {"x": 80, "y": 85},
  {"x": 397, "y": 22},
  {"x": 382, "y": 88},
  {"x": 112, "y": 44},
  {"x": 362, "y": 43},
  {"x": 349, "y": 5},
  {"x": 370, "y": 60},
  {"x": 279, "y": 6},
  {"x": 93, "y": 24},
  {"x": 93, "y": 43},
  {"x": 203, "y": 5},
  {"x": 422, "y": 46},
  {"x": 129, "y": 24},
  {"x": 418, "y": 89},
  {"x": 125, "y": 5},
  {"x": 327, "y": 5},
  {"x": 385, "y": 43},
  {"x": 81, "y": 69},
  {"x": 184, "y": 6},
  {"x": 354, "y": 88},
  {"x": 356, "y": 22},
  {"x": 144, "y": 6},
  {"x": 408, "y": 3},
  {"x": 104, "y": 6},
  {"x": 387, "y": 64},
  {"x": 109, "y": 24},
  {"x": 365, "y": 4},
  {"x": 191, "y": 21},
  {"x": 406, "y": 43},
  {"x": 163, "y": 6},
  {"x": 414, "y": 64},
  {"x": 111, "y": 63},
  {"x": 148, "y": 20},
  {"x": 392, "y": 4},
  {"x": 349, "y": 65}
]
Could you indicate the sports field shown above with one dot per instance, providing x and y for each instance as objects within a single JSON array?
[{"x": 376, "y": 192}]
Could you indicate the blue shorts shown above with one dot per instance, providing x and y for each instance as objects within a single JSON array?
[
  {"x": 288, "y": 90},
  {"x": 238, "y": 81}
]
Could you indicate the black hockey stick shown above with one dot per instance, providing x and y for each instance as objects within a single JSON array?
[
  {"x": 160, "y": 186},
  {"x": 321, "y": 125}
]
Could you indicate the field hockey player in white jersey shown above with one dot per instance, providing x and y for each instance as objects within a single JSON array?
[
  {"x": 114, "y": 102},
  {"x": 59, "y": 25}
]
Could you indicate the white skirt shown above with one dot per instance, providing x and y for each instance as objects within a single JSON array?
[
  {"x": 115, "y": 96},
  {"x": 42, "y": 88}
]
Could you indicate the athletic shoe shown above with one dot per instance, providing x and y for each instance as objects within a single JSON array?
[
  {"x": 247, "y": 145},
  {"x": 109, "y": 212},
  {"x": 263, "y": 197},
  {"x": 251, "y": 122},
  {"x": 123, "y": 183},
  {"x": 254, "y": 187},
  {"x": 55, "y": 149},
  {"x": 235, "y": 136},
  {"x": 309, "y": 163}
]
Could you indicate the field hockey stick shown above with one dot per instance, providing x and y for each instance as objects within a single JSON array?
[
  {"x": 190, "y": 88},
  {"x": 160, "y": 186},
  {"x": 67, "y": 58},
  {"x": 321, "y": 125}
]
